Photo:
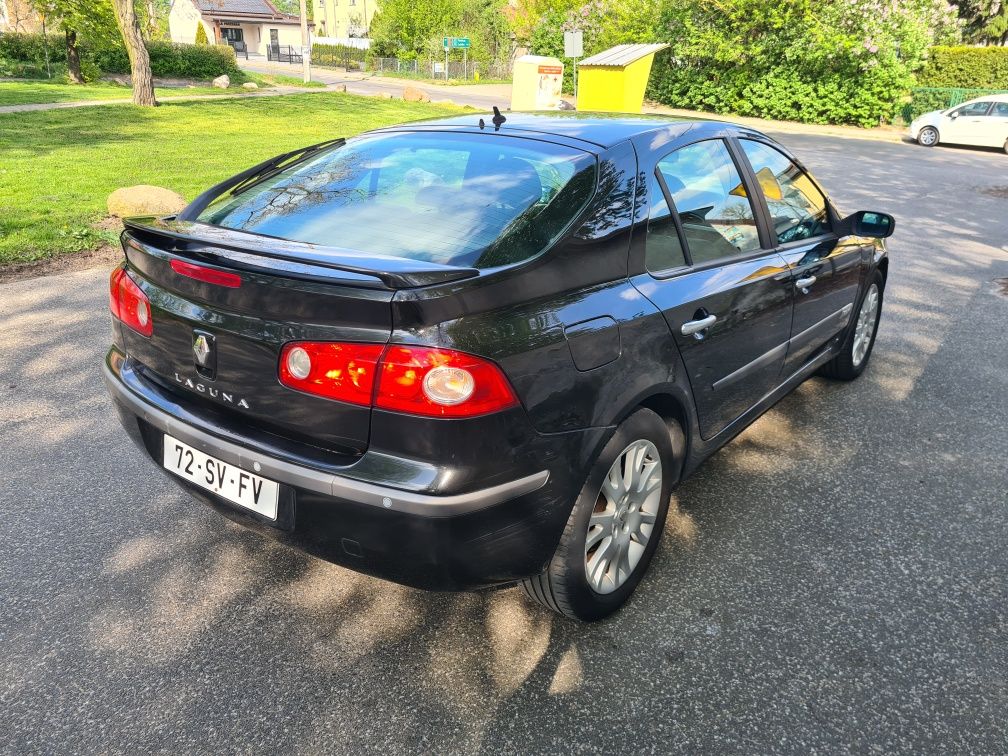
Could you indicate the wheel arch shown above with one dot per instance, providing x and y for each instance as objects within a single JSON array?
[{"x": 673, "y": 412}]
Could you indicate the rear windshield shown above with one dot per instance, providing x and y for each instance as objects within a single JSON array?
[{"x": 474, "y": 200}]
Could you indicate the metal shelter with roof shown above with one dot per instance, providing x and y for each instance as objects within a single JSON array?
[{"x": 614, "y": 80}]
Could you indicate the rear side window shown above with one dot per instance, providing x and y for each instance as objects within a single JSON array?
[
  {"x": 663, "y": 250},
  {"x": 456, "y": 199},
  {"x": 707, "y": 191},
  {"x": 797, "y": 207},
  {"x": 1000, "y": 110}
]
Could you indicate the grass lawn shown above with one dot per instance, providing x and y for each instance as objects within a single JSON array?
[
  {"x": 59, "y": 166},
  {"x": 30, "y": 92}
]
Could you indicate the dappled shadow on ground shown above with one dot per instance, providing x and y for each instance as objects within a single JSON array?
[{"x": 168, "y": 627}]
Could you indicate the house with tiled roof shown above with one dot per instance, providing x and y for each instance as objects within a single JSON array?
[{"x": 255, "y": 25}]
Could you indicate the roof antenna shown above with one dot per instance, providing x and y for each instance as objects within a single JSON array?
[
  {"x": 498, "y": 119},
  {"x": 482, "y": 125}
]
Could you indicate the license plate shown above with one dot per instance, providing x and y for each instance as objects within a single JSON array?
[{"x": 227, "y": 481}]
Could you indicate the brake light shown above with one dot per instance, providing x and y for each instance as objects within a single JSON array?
[
  {"x": 345, "y": 372},
  {"x": 128, "y": 303},
  {"x": 415, "y": 380},
  {"x": 441, "y": 383},
  {"x": 208, "y": 275}
]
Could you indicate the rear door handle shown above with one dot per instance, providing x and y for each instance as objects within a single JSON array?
[
  {"x": 804, "y": 283},
  {"x": 694, "y": 327}
]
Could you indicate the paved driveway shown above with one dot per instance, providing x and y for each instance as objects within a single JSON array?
[{"x": 834, "y": 579}]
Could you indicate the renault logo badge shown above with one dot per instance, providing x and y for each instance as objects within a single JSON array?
[{"x": 205, "y": 353}]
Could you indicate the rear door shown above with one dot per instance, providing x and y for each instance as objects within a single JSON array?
[
  {"x": 825, "y": 271},
  {"x": 995, "y": 130},
  {"x": 725, "y": 295}
]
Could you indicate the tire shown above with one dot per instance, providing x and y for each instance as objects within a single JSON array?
[
  {"x": 565, "y": 587},
  {"x": 1006, "y": 146},
  {"x": 928, "y": 136},
  {"x": 855, "y": 353}
]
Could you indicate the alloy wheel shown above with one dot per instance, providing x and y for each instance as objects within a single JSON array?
[
  {"x": 625, "y": 512},
  {"x": 928, "y": 136},
  {"x": 865, "y": 327}
]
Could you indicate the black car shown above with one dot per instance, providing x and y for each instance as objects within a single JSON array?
[{"x": 465, "y": 353}]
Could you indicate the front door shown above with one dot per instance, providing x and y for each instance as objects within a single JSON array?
[
  {"x": 825, "y": 271},
  {"x": 965, "y": 125},
  {"x": 726, "y": 298}
]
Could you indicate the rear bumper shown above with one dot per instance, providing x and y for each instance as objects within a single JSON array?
[{"x": 445, "y": 541}]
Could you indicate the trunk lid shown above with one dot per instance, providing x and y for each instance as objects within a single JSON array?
[{"x": 287, "y": 292}]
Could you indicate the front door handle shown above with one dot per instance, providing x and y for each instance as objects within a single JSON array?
[
  {"x": 804, "y": 283},
  {"x": 694, "y": 327}
]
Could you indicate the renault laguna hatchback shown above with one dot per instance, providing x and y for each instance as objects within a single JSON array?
[{"x": 460, "y": 354}]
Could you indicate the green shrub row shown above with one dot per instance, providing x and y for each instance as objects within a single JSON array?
[
  {"x": 926, "y": 99},
  {"x": 969, "y": 67},
  {"x": 338, "y": 55},
  {"x": 168, "y": 59},
  {"x": 780, "y": 93}
]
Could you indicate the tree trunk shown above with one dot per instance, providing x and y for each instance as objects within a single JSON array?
[
  {"x": 152, "y": 20},
  {"x": 73, "y": 57},
  {"x": 140, "y": 70}
]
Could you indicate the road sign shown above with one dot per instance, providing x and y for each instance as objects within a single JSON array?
[
  {"x": 573, "y": 44},
  {"x": 447, "y": 42},
  {"x": 460, "y": 42}
]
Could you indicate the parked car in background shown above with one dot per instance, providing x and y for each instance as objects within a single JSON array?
[
  {"x": 458, "y": 355},
  {"x": 982, "y": 122}
]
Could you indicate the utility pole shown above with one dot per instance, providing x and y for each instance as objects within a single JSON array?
[{"x": 305, "y": 44}]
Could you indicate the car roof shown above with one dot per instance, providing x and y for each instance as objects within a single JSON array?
[
  {"x": 600, "y": 129},
  {"x": 988, "y": 98}
]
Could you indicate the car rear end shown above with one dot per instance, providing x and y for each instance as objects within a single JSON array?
[{"x": 261, "y": 374}]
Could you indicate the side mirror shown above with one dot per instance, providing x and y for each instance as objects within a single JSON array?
[{"x": 868, "y": 223}]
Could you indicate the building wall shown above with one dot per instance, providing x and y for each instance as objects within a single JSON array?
[
  {"x": 344, "y": 18},
  {"x": 288, "y": 34},
  {"x": 183, "y": 20},
  {"x": 19, "y": 16}
]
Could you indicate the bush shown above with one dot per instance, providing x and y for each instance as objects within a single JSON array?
[
  {"x": 30, "y": 48},
  {"x": 171, "y": 60},
  {"x": 183, "y": 61},
  {"x": 338, "y": 55},
  {"x": 926, "y": 99},
  {"x": 969, "y": 67}
]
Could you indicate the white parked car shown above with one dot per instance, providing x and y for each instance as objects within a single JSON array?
[{"x": 982, "y": 122}]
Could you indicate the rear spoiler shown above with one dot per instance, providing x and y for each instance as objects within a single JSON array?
[{"x": 174, "y": 234}]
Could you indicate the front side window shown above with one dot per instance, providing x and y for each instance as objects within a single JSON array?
[
  {"x": 797, "y": 207},
  {"x": 708, "y": 194},
  {"x": 973, "y": 109},
  {"x": 456, "y": 199}
]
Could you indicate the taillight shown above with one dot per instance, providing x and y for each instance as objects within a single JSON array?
[
  {"x": 415, "y": 380},
  {"x": 345, "y": 372},
  {"x": 209, "y": 275},
  {"x": 129, "y": 304},
  {"x": 441, "y": 383}
]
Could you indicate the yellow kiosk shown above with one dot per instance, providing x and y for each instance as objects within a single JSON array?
[{"x": 614, "y": 81}]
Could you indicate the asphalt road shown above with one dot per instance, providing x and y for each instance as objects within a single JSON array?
[{"x": 836, "y": 579}]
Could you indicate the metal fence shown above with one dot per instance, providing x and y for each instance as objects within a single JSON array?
[
  {"x": 283, "y": 54},
  {"x": 435, "y": 69}
]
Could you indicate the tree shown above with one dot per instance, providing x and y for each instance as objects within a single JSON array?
[
  {"x": 140, "y": 69},
  {"x": 201, "y": 37},
  {"x": 91, "y": 19}
]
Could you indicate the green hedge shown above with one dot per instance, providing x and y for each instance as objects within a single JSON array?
[
  {"x": 168, "y": 59},
  {"x": 338, "y": 55},
  {"x": 967, "y": 67},
  {"x": 781, "y": 93},
  {"x": 30, "y": 48},
  {"x": 926, "y": 99}
]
